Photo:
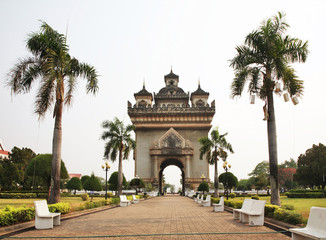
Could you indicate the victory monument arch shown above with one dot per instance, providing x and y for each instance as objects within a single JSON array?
[{"x": 167, "y": 132}]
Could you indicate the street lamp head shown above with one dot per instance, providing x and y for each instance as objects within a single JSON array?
[
  {"x": 103, "y": 166},
  {"x": 229, "y": 166}
]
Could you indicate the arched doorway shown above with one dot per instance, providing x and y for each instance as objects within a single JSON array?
[{"x": 167, "y": 163}]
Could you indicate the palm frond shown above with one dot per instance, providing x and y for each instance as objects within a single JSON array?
[
  {"x": 45, "y": 96},
  {"x": 291, "y": 82},
  {"x": 22, "y": 75},
  {"x": 239, "y": 82}
]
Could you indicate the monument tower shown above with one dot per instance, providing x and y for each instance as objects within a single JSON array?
[{"x": 167, "y": 132}]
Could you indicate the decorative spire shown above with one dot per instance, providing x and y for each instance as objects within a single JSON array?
[{"x": 144, "y": 83}]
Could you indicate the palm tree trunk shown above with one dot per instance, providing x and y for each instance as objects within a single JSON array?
[
  {"x": 120, "y": 173},
  {"x": 216, "y": 193},
  {"x": 56, "y": 154},
  {"x": 272, "y": 148}
]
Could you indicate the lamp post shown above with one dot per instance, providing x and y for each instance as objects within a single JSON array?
[
  {"x": 226, "y": 168},
  {"x": 106, "y": 167}
]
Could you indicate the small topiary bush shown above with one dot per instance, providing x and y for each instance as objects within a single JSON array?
[
  {"x": 84, "y": 196},
  {"x": 232, "y": 195}
]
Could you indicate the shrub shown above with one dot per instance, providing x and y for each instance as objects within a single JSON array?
[
  {"x": 232, "y": 195},
  {"x": 10, "y": 215},
  {"x": 291, "y": 217},
  {"x": 90, "y": 205},
  {"x": 61, "y": 207},
  {"x": 233, "y": 204},
  {"x": 270, "y": 209},
  {"x": 255, "y": 197},
  {"x": 288, "y": 207},
  {"x": 84, "y": 196}
]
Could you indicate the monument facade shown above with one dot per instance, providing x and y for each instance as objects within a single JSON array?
[{"x": 168, "y": 125}]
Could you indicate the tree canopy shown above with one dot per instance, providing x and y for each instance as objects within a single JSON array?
[
  {"x": 92, "y": 184},
  {"x": 39, "y": 169},
  {"x": 113, "y": 181},
  {"x": 312, "y": 167},
  {"x": 74, "y": 184},
  {"x": 203, "y": 186},
  {"x": 228, "y": 179}
]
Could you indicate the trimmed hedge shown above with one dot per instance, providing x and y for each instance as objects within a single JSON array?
[
  {"x": 305, "y": 194},
  {"x": 10, "y": 215},
  {"x": 10, "y": 195}
]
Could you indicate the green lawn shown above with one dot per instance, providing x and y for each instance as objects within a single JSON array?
[
  {"x": 301, "y": 205},
  {"x": 74, "y": 201}
]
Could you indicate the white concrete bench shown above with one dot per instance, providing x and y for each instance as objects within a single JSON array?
[
  {"x": 134, "y": 199},
  {"x": 207, "y": 201},
  {"x": 44, "y": 219},
  {"x": 255, "y": 216},
  {"x": 196, "y": 198},
  {"x": 316, "y": 226},
  {"x": 124, "y": 202},
  {"x": 246, "y": 206},
  {"x": 219, "y": 207},
  {"x": 201, "y": 199}
]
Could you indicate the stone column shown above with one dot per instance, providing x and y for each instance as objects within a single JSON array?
[
  {"x": 187, "y": 172},
  {"x": 155, "y": 173}
]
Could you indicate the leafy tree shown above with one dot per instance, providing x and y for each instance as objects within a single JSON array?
[
  {"x": 9, "y": 175},
  {"x": 113, "y": 181},
  {"x": 289, "y": 164},
  {"x": 203, "y": 187},
  {"x": 57, "y": 72},
  {"x": 137, "y": 183},
  {"x": 214, "y": 148},
  {"x": 261, "y": 168},
  {"x": 228, "y": 179},
  {"x": 39, "y": 169},
  {"x": 264, "y": 60},
  {"x": 93, "y": 184},
  {"x": 84, "y": 179},
  {"x": 261, "y": 182},
  {"x": 74, "y": 184},
  {"x": 13, "y": 168},
  {"x": 120, "y": 142},
  {"x": 312, "y": 167},
  {"x": 286, "y": 177}
]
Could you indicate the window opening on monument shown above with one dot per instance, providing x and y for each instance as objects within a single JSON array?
[{"x": 172, "y": 176}]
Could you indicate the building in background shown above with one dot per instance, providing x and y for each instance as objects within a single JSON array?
[{"x": 3, "y": 152}]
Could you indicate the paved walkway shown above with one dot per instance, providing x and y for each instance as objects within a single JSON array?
[{"x": 168, "y": 217}]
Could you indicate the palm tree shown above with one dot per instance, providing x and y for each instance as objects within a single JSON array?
[
  {"x": 120, "y": 142},
  {"x": 263, "y": 61},
  {"x": 214, "y": 149},
  {"x": 57, "y": 72}
]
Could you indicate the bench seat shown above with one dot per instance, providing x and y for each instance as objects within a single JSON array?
[
  {"x": 219, "y": 207},
  {"x": 44, "y": 219},
  {"x": 316, "y": 226}
]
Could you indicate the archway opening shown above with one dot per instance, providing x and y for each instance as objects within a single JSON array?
[
  {"x": 172, "y": 171},
  {"x": 172, "y": 175}
]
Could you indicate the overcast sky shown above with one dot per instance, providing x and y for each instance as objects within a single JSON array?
[{"x": 129, "y": 41}]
